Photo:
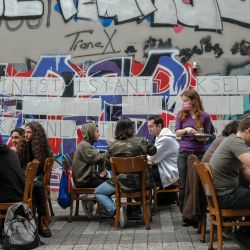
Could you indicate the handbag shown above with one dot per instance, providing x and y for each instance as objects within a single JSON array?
[{"x": 64, "y": 195}]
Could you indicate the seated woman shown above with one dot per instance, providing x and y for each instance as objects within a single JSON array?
[
  {"x": 126, "y": 144},
  {"x": 36, "y": 146}
]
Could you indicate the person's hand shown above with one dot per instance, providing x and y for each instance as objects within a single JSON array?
[
  {"x": 111, "y": 141},
  {"x": 191, "y": 131},
  {"x": 104, "y": 173},
  {"x": 13, "y": 148}
]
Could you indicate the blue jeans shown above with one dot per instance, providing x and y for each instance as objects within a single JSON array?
[{"x": 103, "y": 194}]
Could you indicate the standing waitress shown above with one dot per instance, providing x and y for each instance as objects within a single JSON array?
[{"x": 191, "y": 119}]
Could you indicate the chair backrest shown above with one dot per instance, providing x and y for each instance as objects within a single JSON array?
[
  {"x": 205, "y": 174},
  {"x": 125, "y": 165},
  {"x": 31, "y": 170},
  {"x": 47, "y": 171}
]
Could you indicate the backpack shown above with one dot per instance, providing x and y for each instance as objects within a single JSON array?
[
  {"x": 64, "y": 195},
  {"x": 20, "y": 231}
]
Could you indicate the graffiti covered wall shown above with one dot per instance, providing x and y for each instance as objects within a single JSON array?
[
  {"x": 68, "y": 62},
  {"x": 214, "y": 33}
]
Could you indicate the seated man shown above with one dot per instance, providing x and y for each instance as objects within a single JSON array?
[
  {"x": 227, "y": 162},
  {"x": 166, "y": 171},
  {"x": 11, "y": 175},
  {"x": 84, "y": 166}
]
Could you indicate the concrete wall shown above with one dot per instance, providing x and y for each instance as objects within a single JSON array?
[
  {"x": 68, "y": 62},
  {"x": 206, "y": 31}
]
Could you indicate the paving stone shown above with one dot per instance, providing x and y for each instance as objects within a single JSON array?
[{"x": 167, "y": 233}]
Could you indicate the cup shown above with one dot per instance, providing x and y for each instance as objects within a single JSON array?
[{"x": 200, "y": 131}]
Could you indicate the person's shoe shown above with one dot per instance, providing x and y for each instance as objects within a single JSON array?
[
  {"x": 123, "y": 217},
  {"x": 88, "y": 208},
  {"x": 43, "y": 227},
  {"x": 101, "y": 211}
]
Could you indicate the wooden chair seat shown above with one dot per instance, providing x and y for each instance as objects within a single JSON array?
[
  {"x": 136, "y": 165},
  {"x": 174, "y": 188},
  {"x": 220, "y": 218}
]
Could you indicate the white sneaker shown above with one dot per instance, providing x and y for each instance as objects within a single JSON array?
[{"x": 123, "y": 217}]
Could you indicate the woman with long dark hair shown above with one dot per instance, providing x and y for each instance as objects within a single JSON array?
[
  {"x": 35, "y": 146},
  {"x": 191, "y": 119}
]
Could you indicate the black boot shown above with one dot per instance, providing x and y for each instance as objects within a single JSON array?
[{"x": 43, "y": 227}]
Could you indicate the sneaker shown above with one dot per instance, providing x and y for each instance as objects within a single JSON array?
[
  {"x": 88, "y": 208},
  {"x": 123, "y": 217},
  {"x": 43, "y": 228},
  {"x": 102, "y": 212}
]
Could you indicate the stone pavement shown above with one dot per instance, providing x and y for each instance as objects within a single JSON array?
[{"x": 166, "y": 232}]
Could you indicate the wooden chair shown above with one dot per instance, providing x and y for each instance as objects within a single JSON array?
[
  {"x": 218, "y": 215},
  {"x": 76, "y": 193},
  {"x": 174, "y": 188},
  {"x": 136, "y": 165},
  {"x": 46, "y": 187},
  {"x": 30, "y": 174}
]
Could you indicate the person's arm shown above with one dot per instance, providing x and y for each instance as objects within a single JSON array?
[
  {"x": 245, "y": 159},
  {"x": 92, "y": 156},
  {"x": 165, "y": 148},
  {"x": 179, "y": 131},
  {"x": 245, "y": 174},
  {"x": 185, "y": 131}
]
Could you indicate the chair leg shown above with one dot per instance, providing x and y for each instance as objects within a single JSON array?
[
  {"x": 117, "y": 212},
  {"x": 203, "y": 228},
  {"x": 50, "y": 207},
  {"x": 98, "y": 210},
  {"x": 77, "y": 207},
  {"x": 211, "y": 235},
  {"x": 155, "y": 199},
  {"x": 177, "y": 198},
  {"x": 219, "y": 237},
  {"x": 146, "y": 216},
  {"x": 71, "y": 209},
  {"x": 47, "y": 210},
  {"x": 150, "y": 197}
]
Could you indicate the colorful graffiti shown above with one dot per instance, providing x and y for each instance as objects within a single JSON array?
[
  {"x": 205, "y": 46},
  {"x": 201, "y": 15},
  {"x": 51, "y": 92}
]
